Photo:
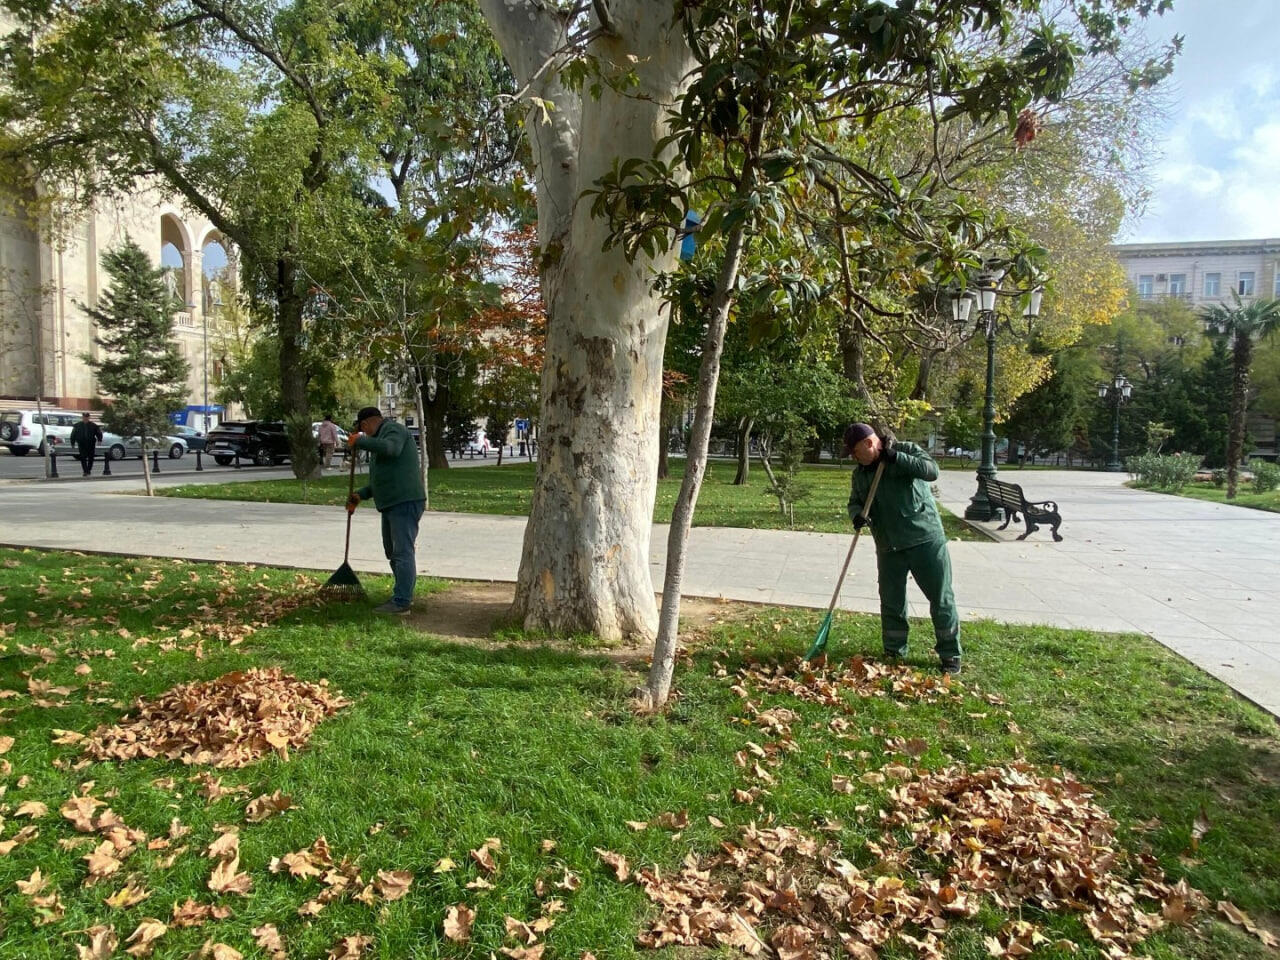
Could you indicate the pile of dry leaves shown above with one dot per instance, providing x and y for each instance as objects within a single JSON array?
[
  {"x": 228, "y": 722},
  {"x": 828, "y": 683},
  {"x": 1002, "y": 833}
]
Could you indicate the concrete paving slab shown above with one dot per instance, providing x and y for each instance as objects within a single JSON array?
[{"x": 1204, "y": 579}]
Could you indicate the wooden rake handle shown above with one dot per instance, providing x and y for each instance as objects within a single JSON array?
[{"x": 866, "y": 509}]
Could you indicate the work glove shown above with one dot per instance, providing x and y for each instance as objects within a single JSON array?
[
  {"x": 352, "y": 438},
  {"x": 888, "y": 452},
  {"x": 353, "y": 501},
  {"x": 860, "y": 521}
]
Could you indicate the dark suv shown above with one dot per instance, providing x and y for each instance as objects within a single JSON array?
[{"x": 265, "y": 443}]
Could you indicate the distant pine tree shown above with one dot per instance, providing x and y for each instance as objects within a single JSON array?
[{"x": 140, "y": 369}]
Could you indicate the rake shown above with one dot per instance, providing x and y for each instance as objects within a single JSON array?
[
  {"x": 820, "y": 641},
  {"x": 344, "y": 585}
]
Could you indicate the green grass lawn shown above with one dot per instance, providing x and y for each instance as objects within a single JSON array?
[
  {"x": 508, "y": 490},
  {"x": 446, "y": 744},
  {"x": 1245, "y": 496}
]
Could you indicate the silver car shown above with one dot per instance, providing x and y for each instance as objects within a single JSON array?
[{"x": 120, "y": 447}]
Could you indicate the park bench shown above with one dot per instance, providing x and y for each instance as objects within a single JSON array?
[{"x": 1010, "y": 498}]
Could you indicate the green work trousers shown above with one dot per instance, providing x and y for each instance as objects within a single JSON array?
[{"x": 930, "y": 564}]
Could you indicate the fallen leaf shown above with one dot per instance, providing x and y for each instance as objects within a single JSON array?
[
  {"x": 265, "y": 806},
  {"x": 269, "y": 941},
  {"x": 225, "y": 847},
  {"x": 444, "y": 865},
  {"x": 457, "y": 922},
  {"x": 393, "y": 884},
  {"x": 484, "y": 855},
  {"x": 638, "y": 825},
  {"x": 219, "y": 951},
  {"x": 226, "y": 879},
  {"x": 31, "y": 808},
  {"x": 34, "y": 884},
  {"x": 127, "y": 896},
  {"x": 350, "y": 948},
  {"x": 102, "y": 943},
  {"x": 145, "y": 936},
  {"x": 6, "y": 744},
  {"x": 615, "y": 860},
  {"x": 1199, "y": 827}
]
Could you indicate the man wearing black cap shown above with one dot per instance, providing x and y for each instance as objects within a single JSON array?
[
  {"x": 395, "y": 484},
  {"x": 909, "y": 538}
]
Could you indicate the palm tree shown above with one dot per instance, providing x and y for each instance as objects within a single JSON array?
[{"x": 1244, "y": 324}]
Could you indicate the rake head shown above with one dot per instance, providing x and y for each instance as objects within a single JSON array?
[
  {"x": 819, "y": 645},
  {"x": 344, "y": 585}
]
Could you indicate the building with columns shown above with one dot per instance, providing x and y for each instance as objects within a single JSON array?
[{"x": 45, "y": 334}]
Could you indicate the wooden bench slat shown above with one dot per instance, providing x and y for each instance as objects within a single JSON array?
[{"x": 1010, "y": 498}]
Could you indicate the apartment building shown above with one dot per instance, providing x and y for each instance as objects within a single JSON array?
[{"x": 1205, "y": 272}]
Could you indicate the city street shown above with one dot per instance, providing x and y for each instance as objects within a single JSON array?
[{"x": 31, "y": 467}]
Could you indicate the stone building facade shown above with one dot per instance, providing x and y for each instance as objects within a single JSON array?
[{"x": 45, "y": 334}]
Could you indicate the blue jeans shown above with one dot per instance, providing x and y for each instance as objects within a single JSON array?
[{"x": 399, "y": 534}]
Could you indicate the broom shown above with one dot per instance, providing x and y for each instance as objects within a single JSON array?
[
  {"x": 344, "y": 585},
  {"x": 820, "y": 641}
]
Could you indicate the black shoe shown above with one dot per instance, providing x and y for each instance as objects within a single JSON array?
[
  {"x": 951, "y": 665},
  {"x": 893, "y": 659}
]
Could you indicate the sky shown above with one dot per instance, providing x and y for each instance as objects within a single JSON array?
[{"x": 1218, "y": 176}]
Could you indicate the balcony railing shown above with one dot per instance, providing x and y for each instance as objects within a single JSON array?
[{"x": 183, "y": 318}]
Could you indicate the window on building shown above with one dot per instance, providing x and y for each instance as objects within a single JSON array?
[
  {"x": 1177, "y": 284},
  {"x": 1276, "y": 284},
  {"x": 1213, "y": 284},
  {"x": 1146, "y": 286},
  {"x": 1244, "y": 283}
]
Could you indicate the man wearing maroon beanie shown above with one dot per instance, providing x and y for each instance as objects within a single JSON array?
[{"x": 909, "y": 538}]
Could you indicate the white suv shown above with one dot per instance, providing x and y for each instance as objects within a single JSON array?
[{"x": 22, "y": 430}]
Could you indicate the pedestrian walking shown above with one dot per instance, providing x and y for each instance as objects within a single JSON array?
[
  {"x": 327, "y": 434},
  {"x": 909, "y": 538},
  {"x": 395, "y": 486},
  {"x": 85, "y": 436}
]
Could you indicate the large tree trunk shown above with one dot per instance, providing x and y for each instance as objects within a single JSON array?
[
  {"x": 433, "y": 412},
  {"x": 1242, "y": 359},
  {"x": 293, "y": 373},
  {"x": 744, "y": 451},
  {"x": 585, "y": 562}
]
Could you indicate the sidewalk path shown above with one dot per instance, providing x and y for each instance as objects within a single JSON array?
[{"x": 1202, "y": 578}]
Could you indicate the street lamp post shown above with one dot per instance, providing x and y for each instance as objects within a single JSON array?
[
  {"x": 980, "y": 508},
  {"x": 1118, "y": 391}
]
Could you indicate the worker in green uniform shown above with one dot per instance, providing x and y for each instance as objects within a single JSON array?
[
  {"x": 395, "y": 484},
  {"x": 909, "y": 538}
]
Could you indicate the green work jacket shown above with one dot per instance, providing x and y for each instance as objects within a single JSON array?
[
  {"x": 394, "y": 476},
  {"x": 903, "y": 513}
]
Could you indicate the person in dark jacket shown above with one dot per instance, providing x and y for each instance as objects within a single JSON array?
[
  {"x": 909, "y": 538},
  {"x": 395, "y": 484},
  {"x": 84, "y": 437}
]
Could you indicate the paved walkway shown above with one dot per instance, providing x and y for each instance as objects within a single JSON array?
[{"x": 1202, "y": 578}]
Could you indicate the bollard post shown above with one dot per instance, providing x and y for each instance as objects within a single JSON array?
[
  {"x": 106, "y": 463},
  {"x": 53, "y": 463},
  {"x": 199, "y": 466},
  {"x": 155, "y": 461}
]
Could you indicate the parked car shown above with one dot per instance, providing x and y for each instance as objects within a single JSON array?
[
  {"x": 195, "y": 439},
  {"x": 264, "y": 442},
  {"x": 118, "y": 447},
  {"x": 25, "y": 430}
]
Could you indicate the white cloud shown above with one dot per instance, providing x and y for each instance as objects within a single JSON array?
[{"x": 1219, "y": 176}]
